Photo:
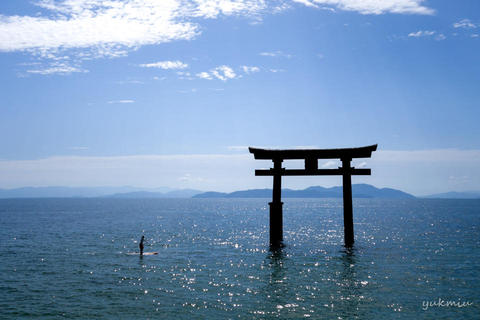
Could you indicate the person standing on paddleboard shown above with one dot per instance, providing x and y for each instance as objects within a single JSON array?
[{"x": 141, "y": 245}]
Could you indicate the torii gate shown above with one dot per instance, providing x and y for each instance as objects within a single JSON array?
[{"x": 311, "y": 157}]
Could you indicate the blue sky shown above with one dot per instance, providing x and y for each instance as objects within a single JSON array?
[{"x": 169, "y": 93}]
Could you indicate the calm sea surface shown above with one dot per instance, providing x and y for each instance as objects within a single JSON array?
[{"x": 68, "y": 258}]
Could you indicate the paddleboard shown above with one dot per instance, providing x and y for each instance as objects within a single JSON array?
[{"x": 145, "y": 253}]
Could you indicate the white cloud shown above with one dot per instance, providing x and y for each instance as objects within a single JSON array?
[
  {"x": 223, "y": 73},
  {"x": 375, "y": 6},
  {"x": 277, "y": 70},
  {"x": 204, "y": 75},
  {"x": 238, "y": 148},
  {"x": 184, "y": 75},
  {"x": 89, "y": 29},
  {"x": 427, "y": 33},
  {"x": 421, "y": 33},
  {"x": 121, "y": 101},
  {"x": 56, "y": 69},
  {"x": 78, "y": 148},
  {"x": 193, "y": 90},
  {"x": 465, "y": 24},
  {"x": 130, "y": 82},
  {"x": 440, "y": 37},
  {"x": 276, "y": 54},
  {"x": 362, "y": 164},
  {"x": 330, "y": 164},
  {"x": 78, "y": 30},
  {"x": 249, "y": 70},
  {"x": 92, "y": 23},
  {"x": 166, "y": 65},
  {"x": 307, "y": 3}
]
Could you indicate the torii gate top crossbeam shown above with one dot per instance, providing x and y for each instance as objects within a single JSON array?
[{"x": 345, "y": 153}]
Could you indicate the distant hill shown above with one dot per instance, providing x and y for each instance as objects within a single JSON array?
[
  {"x": 358, "y": 191},
  {"x": 183, "y": 193},
  {"x": 92, "y": 192},
  {"x": 455, "y": 195}
]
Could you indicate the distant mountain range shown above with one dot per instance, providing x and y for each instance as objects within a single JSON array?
[
  {"x": 93, "y": 192},
  {"x": 183, "y": 193},
  {"x": 358, "y": 191}
]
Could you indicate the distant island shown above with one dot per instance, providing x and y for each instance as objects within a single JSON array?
[
  {"x": 126, "y": 192},
  {"x": 358, "y": 191}
]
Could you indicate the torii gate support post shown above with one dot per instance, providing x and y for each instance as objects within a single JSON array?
[
  {"x": 347, "y": 202},
  {"x": 276, "y": 207}
]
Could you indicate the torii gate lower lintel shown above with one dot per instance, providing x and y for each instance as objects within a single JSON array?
[{"x": 311, "y": 157}]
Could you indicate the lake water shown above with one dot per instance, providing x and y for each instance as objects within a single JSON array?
[{"x": 68, "y": 258}]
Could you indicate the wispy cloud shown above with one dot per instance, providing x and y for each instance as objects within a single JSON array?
[
  {"x": 249, "y": 70},
  {"x": 130, "y": 82},
  {"x": 121, "y": 101},
  {"x": 238, "y": 148},
  {"x": 204, "y": 75},
  {"x": 372, "y": 6},
  {"x": 185, "y": 75},
  {"x": 465, "y": 24},
  {"x": 307, "y": 3},
  {"x": 193, "y": 90},
  {"x": 330, "y": 164},
  {"x": 427, "y": 33},
  {"x": 78, "y": 148},
  {"x": 166, "y": 65},
  {"x": 276, "y": 54},
  {"x": 223, "y": 73},
  {"x": 56, "y": 68},
  {"x": 362, "y": 164},
  {"x": 421, "y": 33}
]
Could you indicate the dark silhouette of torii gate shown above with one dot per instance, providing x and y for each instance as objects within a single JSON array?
[{"x": 311, "y": 157}]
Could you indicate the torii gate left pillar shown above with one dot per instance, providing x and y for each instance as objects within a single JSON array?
[{"x": 276, "y": 206}]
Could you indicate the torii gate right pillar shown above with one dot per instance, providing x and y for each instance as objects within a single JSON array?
[{"x": 347, "y": 202}]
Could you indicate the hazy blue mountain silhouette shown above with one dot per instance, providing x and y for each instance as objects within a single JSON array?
[
  {"x": 183, "y": 193},
  {"x": 61, "y": 192},
  {"x": 358, "y": 191},
  {"x": 455, "y": 195},
  {"x": 89, "y": 192}
]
